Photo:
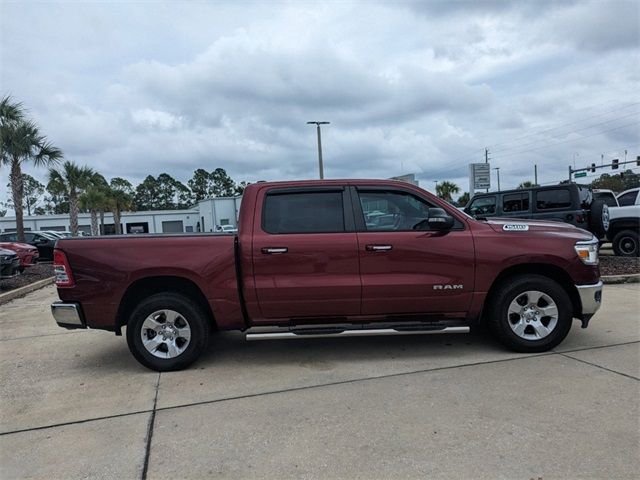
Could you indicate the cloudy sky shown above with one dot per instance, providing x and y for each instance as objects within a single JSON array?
[{"x": 138, "y": 88}]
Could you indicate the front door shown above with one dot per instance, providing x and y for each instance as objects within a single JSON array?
[
  {"x": 305, "y": 254},
  {"x": 404, "y": 267}
]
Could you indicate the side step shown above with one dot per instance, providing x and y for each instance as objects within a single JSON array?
[{"x": 284, "y": 333}]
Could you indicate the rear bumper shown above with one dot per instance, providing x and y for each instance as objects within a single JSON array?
[{"x": 68, "y": 315}]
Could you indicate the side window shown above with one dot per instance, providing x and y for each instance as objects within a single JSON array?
[
  {"x": 481, "y": 207},
  {"x": 516, "y": 202},
  {"x": 627, "y": 199},
  {"x": 306, "y": 212},
  {"x": 552, "y": 199},
  {"x": 393, "y": 211},
  {"x": 29, "y": 237}
]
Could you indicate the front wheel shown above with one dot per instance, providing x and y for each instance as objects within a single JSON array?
[
  {"x": 626, "y": 244},
  {"x": 167, "y": 332},
  {"x": 530, "y": 313}
]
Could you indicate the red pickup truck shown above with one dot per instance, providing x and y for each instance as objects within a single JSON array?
[{"x": 332, "y": 258}]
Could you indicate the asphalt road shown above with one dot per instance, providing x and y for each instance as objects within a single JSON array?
[{"x": 74, "y": 404}]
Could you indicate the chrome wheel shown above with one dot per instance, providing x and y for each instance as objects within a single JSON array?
[
  {"x": 532, "y": 315},
  {"x": 628, "y": 245},
  {"x": 165, "y": 334}
]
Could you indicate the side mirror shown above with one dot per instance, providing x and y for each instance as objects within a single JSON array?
[{"x": 439, "y": 219}]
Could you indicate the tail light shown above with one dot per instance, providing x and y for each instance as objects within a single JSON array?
[{"x": 62, "y": 270}]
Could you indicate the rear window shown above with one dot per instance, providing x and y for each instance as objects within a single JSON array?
[
  {"x": 607, "y": 197},
  {"x": 552, "y": 199},
  {"x": 515, "y": 202},
  {"x": 308, "y": 212}
]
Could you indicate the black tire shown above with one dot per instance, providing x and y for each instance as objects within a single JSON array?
[
  {"x": 189, "y": 310},
  {"x": 599, "y": 218},
  {"x": 498, "y": 318},
  {"x": 626, "y": 244}
]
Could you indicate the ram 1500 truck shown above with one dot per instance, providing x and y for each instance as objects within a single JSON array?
[{"x": 332, "y": 258}]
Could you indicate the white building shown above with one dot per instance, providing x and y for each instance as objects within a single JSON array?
[{"x": 208, "y": 216}]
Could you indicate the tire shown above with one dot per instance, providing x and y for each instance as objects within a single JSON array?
[
  {"x": 599, "y": 218},
  {"x": 626, "y": 244},
  {"x": 180, "y": 318},
  {"x": 517, "y": 293}
]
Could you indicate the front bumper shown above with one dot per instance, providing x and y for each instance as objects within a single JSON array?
[
  {"x": 10, "y": 268},
  {"x": 590, "y": 299},
  {"x": 68, "y": 315}
]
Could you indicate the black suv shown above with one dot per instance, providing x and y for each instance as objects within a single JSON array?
[{"x": 569, "y": 203}]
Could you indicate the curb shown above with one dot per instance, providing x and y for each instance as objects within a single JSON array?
[
  {"x": 22, "y": 291},
  {"x": 617, "y": 279}
]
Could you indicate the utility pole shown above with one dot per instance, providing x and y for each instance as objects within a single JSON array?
[
  {"x": 486, "y": 159},
  {"x": 497, "y": 169},
  {"x": 320, "y": 166},
  {"x": 535, "y": 174}
]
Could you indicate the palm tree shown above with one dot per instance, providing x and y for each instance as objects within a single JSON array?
[
  {"x": 527, "y": 184},
  {"x": 446, "y": 189},
  {"x": 94, "y": 200},
  {"x": 121, "y": 196},
  {"x": 71, "y": 180},
  {"x": 21, "y": 142}
]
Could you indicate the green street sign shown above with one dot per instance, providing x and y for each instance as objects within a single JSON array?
[{"x": 581, "y": 174}]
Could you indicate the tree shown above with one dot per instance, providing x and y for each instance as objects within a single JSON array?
[
  {"x": 239, "y": 190},
  {"x": 446, "y": 189},
  {"x": 21, "y": 142},
  {"x": 121, "y": 196},
  {"x": 162, "y": 193},
  {"x": 463, "y": 199},
  {"x": 527, "y": 184},
  {"x": 618, "y": 183},
  {"x": 3, "y": 213},
  {"x": 223, "y": 185},
  {"x": 93, "y": 200},
  {"x": 200, "y": 184},
  {"x": 72, "y": 180},
  {"x": 33, "y": 191}
]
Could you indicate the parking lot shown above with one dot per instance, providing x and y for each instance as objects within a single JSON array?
[{"x": 75, "y": 404}]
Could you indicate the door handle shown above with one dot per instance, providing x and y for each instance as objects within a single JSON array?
[
  {"x": 378, "y": 248},
  {"x": 272, "y": 250}
]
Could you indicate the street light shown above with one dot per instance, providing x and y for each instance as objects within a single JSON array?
[
  {"x": 317, "y": 124},
  {"x": 497, "y": 169}
]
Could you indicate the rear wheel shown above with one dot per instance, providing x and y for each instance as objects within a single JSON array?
[
  {"x": 599, "y": 218},
  {"x": 626, "y": 244},
  {"x": 530, "y": 313},
  {"x": 167, "y": 332}
]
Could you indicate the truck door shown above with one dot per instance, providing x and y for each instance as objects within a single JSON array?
[
  {"x": 405, "y": 268},
  {"x": 305, "y": 253}
]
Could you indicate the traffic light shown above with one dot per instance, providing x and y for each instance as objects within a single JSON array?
[
  {"x": 593, "y": 167},
  {"x": 638, "y": 160},
  {"x": 614, "y": 164}
]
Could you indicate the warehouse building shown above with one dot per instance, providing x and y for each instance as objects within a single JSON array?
[{"x": 207, "y": 216}]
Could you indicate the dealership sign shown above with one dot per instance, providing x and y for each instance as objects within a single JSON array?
[{"x": 479, "y": 176}]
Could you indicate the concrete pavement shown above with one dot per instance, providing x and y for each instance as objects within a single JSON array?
[{"x": 75, "y": 404}]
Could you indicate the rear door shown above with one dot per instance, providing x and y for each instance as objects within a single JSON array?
[
  {"x": 305, "y": 254},
  {"x": 404, "y": 267}
]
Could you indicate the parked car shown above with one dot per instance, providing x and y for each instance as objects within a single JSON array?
[
  {"x": 607, "y": 196},
  {"x": 9, "y": 263},
  {"x": 306, "y": 264},
  {"x": 228, "y": 229},
  {"x": 570, "y": 203},
  {"x": 41, "y": 240},
  {"x": 28, "y": 254},
  {"x": 624, "y": 224}
]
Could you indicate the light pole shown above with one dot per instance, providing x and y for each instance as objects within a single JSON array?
[
  {"x": 497, "y": 169},
  {"x": 436, "y": 182},
  {"x": 317, "y": 124}
]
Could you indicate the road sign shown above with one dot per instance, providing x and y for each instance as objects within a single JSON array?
[
  {"x": 479, "y": 176},
  {"x": 580, "y": 174}
]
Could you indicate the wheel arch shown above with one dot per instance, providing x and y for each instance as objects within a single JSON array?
[
  {"x": 560, "y": 276},
  {"x": 147, "y": 286}
]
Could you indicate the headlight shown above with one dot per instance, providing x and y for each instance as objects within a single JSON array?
[{"x": 588, "y": 251}]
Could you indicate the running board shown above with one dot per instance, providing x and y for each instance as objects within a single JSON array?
[{"x": 333, "y": 332}]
